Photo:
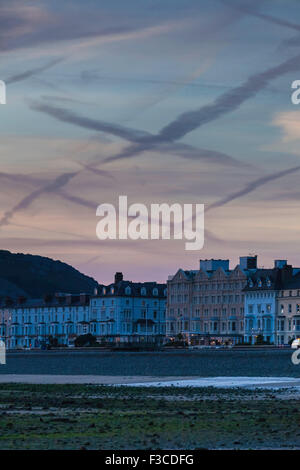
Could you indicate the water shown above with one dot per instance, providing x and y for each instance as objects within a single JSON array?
[{"x": 205, "y": 363}]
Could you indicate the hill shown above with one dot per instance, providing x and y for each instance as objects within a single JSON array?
[{"x": 34, "y": 276}]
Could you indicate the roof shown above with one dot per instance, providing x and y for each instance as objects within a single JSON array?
[
  {"x": 138, "y": 289},
  {"x": 269, "y": 279},
  {"x": 65, "y": 300},
  {"x": 293, "y": 283},
  {"x": 190, "y": 275}
]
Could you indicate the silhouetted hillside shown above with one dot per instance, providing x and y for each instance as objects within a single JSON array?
[{"x": 34, "y": 276}]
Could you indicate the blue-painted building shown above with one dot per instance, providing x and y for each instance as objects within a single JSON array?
[
  {"x": 261, "y": 301},
  {"x": 126, "y": 311}
]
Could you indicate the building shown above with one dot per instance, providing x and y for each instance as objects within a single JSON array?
[
  {"x": 129, "y": 312},
  {"x": 32, "y": 323},
  {"x": 206, "y": 306},
  {"x": 271, "y": 304},
  {"x": 124, "y": 311},
  {"x": 4, "y": 318},
  {"x": 288, "y": 318}
]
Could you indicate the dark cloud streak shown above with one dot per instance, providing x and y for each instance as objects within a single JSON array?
[
  {"x": 141, "y": 141},
  {"x": 31, "y": 72},
  {"x": 51, "y": 187},
  {"x": 263, "y": 16},
  {"x": 250, "y": 187}
]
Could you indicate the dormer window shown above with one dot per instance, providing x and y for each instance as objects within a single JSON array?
[
  {"x": 103, "y": 291},
  {"x": 250, "y": 283},
  {"x": 268, "y": 283},
  {"x": 259, "y": 283},
  {"x": 143, "y": 291},
  {"x": 112, "y": 290},
  {"x": 155, "y": 291},
  {"x": 128, "y": 290}
]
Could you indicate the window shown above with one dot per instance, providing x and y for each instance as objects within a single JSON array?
[{"x": 259, "y": 308}]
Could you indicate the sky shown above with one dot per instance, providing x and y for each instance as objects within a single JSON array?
[{"x": 173, "y": 101}]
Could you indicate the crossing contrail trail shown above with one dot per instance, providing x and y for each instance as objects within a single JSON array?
[
  {"x": 51, "y": 187},
  {"x": 264, "y": 16},
  {"x": 251, "y": 187},
  {"x": 31, "y": 72}
]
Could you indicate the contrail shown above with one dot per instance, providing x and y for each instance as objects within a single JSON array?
[
  {"x": 29, "y": 73},
  {"x": 56, "y": 185},
  {"x": 263, "y": 16},
  {"x": 64, "y": 115},
  {"x": 51, "y": 187},
  {"x": 251, "y": 187},
  {"x": 186, "y": 122},
  {"x": 141, "y": 140},
  {"x": 78, "y": 200},
  {"x": 21, "y": 179},
  {"x": 226, "y": 103},
  {"x": 94, "y": 170}
]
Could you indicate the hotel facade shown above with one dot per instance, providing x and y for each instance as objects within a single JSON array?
[
  {"x": 206, "y": 306},
  {"x": 34, "y": 323},
  {"x": 272, "y": 305},
  {"x": 122, "y": 312},
  {"x": 126, "y": 311},
  {"x": 210, "y": 306}
]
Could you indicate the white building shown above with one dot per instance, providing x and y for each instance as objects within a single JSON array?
[
  {"x": 32, "y": 323},
  {"x": 129, "y": 312},
  {"x": 121, "y": 312},
  {"x": 262, "y": 302}
]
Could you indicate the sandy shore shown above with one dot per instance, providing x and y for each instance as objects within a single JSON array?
[{"x": 221, "y": 382}]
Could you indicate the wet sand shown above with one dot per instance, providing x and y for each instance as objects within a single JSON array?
[{"x": 219, "y": 382}]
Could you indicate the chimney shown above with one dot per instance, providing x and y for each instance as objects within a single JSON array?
[
  {"x": 286, "y": 272},
  {"x": 280, "y": 263},
  {"x": 248, "y": 262},
  {"x": 214, "y": 264},
  {"x": 118, "y": 277}
]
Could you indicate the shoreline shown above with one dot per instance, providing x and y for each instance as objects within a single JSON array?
[{"x": 152, "y": 381}]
